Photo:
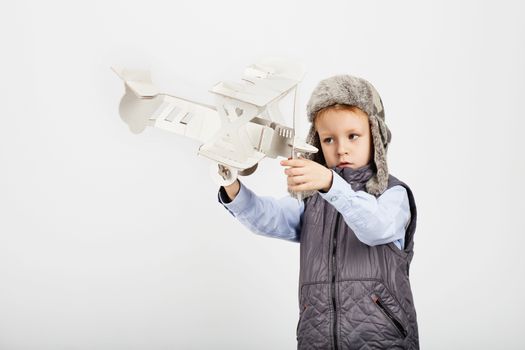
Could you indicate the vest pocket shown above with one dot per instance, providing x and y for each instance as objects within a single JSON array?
[{"x": 389, "y": 315}]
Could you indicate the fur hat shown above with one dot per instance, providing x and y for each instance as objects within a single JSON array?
[{"x": 353, "y": 91}]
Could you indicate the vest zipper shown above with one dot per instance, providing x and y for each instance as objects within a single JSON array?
[{"x": 334, "y": 250}]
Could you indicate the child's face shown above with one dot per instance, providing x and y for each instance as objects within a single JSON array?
[{"x": 345, "y": 137}]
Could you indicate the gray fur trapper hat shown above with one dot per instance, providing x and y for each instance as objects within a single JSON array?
[{"x": 353, "y": 91}]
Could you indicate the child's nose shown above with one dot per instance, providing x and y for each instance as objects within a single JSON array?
[{"x": 343, "y": 148}]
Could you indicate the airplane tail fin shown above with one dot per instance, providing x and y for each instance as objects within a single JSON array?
[{"x": 138, "y": 81}]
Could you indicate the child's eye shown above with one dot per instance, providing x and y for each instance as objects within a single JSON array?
[
  {"x": 327, "y": 140},
  {"x": 351, "y": 136}
]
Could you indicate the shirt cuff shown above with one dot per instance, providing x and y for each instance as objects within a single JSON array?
[
  {"x": 340, "y": 195},
  {"x": 240, "y": 202}
]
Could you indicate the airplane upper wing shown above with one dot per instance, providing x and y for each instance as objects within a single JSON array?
[{"x": 263, "y": 82}]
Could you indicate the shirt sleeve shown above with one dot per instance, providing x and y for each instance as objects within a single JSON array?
[
  {"x": 374, "y": 220},
  {"x": 264, "y": 215}
]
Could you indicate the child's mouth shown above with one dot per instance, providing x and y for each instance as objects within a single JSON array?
[{"x": 344, "y": 165}]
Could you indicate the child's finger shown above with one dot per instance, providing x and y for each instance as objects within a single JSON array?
[
  {"x": 298, "y": 188},
  {"x": 294, "y": 171},
  {"x": 293, "y": 162},
  {"x": 296, "y": 180}
]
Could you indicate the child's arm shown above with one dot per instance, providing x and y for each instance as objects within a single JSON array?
[
  {"x": 374, "y": 220},
  {"x": 278, "y": 218}
]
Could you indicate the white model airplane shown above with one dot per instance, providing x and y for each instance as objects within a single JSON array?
[{"x": 236, "y": 134}]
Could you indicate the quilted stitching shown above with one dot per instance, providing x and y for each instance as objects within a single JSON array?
[
  {"x": 362, "y": 324},
  {"x": 314, "y": 331}
]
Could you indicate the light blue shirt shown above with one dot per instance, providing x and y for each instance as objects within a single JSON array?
[{"x": 374, "y": 220}]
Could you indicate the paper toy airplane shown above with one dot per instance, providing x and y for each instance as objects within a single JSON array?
[{"x": 243, "y": 127}]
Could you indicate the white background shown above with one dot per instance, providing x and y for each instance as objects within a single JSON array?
[{"x": 110, "y": 240}]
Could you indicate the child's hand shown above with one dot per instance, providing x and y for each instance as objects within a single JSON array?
[{"x": 305, "y": 174}]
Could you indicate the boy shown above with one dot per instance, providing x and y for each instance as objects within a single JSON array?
[{"x": 355, "y": 226}]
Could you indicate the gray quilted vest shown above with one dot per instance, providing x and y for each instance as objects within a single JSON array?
[{"x": 351, "y": 295}]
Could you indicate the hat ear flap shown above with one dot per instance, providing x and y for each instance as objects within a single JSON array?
[
  {"x": 386, "y": 135},
  {"x": 378, "y": 183}
]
